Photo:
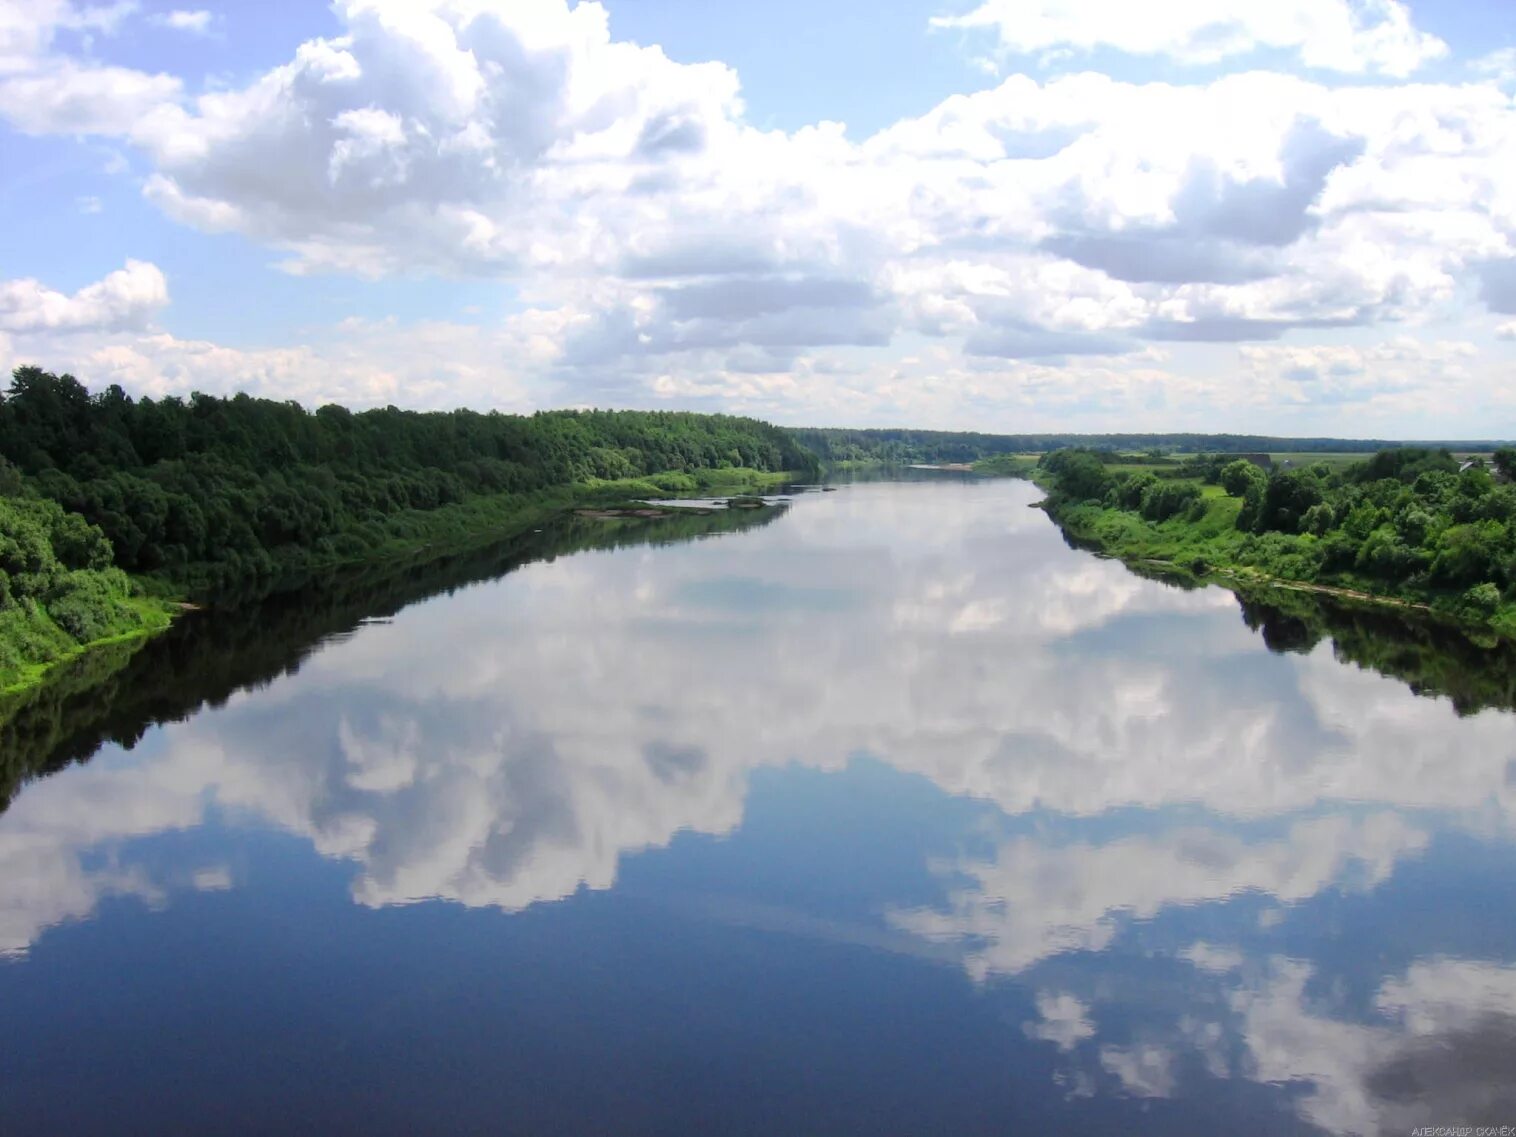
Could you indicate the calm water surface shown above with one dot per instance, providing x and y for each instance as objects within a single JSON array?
[{"x": 889, "y": 815}]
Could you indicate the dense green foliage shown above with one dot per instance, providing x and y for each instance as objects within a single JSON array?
[
  {"x": 902, "y": 447},
  {"x": 254, "y": 487},
  {"x": 58, "y": 589},
  {"x": 1411, "y": 522}
]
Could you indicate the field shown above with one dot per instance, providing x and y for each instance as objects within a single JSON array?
[{"x": 1293, "y": 459}]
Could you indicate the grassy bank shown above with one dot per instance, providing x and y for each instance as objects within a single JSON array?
[
  {"x": 59, "y": 593},
  {"x": 33, "y": 646},
  {"x": 1426, "y": 535},
  {"x": 1211, "y": 548}
]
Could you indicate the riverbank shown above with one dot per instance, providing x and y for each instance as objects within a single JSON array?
[
  {"x": 116, "y": 692},
  {"x": 1205, "y": 545},
  {"x": 59, "y": 593},
  {"x": 41, "y": 647},
  {"x": 454, "y": 528},
  {"x": 37, "y": 647}
]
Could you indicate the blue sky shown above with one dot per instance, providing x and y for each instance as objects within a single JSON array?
[{"x": 1291, "y": 216}]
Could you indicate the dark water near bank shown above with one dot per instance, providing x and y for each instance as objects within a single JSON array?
[{"x": 890, "y": 814}]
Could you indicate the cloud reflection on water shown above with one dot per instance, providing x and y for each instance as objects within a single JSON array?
[{"x": 513, "y": 743}]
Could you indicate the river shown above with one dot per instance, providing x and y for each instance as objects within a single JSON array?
[{"x": 886, "y": 813}]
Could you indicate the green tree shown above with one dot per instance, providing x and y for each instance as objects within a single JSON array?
[
  {"x": 1505, "y": 463},
  {"x": 1080, "y": 474},
  {"x": 1239, "y": 476}
]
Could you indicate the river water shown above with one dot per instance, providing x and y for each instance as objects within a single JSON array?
[{"x": 887, "y": 813}]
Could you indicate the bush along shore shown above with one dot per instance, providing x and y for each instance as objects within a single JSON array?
[
  {"x": 59, "y": 591},
  {"x": 1412, "y": 527},
  {"x": 115, "y": 511}
]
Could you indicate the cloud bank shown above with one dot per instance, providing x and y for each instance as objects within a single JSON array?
[{"x": 1073, "y": 227}]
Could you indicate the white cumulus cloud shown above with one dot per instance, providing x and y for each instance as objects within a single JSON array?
[
  {"x": 126, "y": 298},
  {"x": 666, "y": 248},
  {"x": 196, "y": 21}
]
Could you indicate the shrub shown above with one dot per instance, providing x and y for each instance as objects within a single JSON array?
[
  {"x": 1318, "y": 519},
  {"x": 1129, "y": 492},
  {"x": 1165, "y": 500},
  {"x": 1080, "y": 474},
  {"x": 1481, "y": 600},
  {"x": 1238, "y": 476}
]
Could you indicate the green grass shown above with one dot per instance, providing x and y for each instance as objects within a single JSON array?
[
  {"x": 1157, "y": 469},
  {"x": 1008, "y": 465},
  {"x": 1196, "y": 545},
  {"x": 32, "y": 645},
  {"x": 1298, "y": 459}
]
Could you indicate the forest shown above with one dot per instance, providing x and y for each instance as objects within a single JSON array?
[
  {"x": 252, "y": 486},
  {"x": 1411, "y": 523},
  {"x": 213, "y": 498}
]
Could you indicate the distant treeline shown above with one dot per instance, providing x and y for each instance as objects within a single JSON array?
[
  {"x": 253, "y": 486},
  {"x": 906, "y": 446}
]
